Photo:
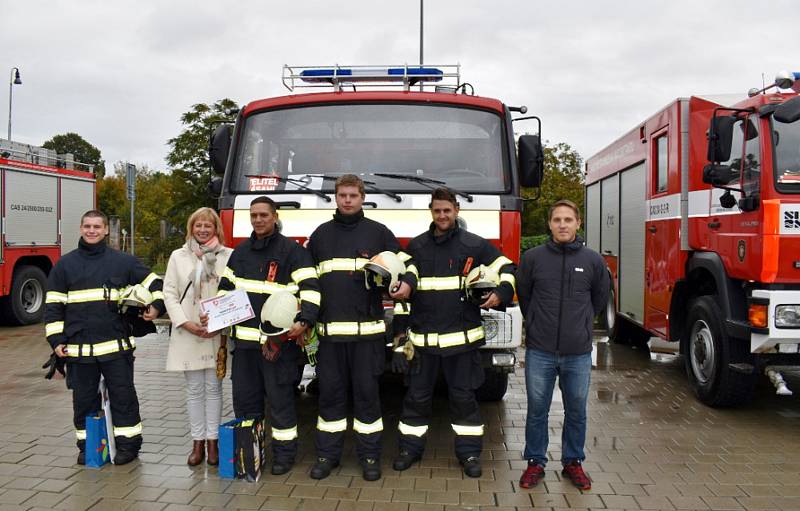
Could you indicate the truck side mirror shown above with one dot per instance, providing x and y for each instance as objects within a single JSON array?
[
  {"x": 219, "y": 145},
  {"x": 531, "y": 161},
  {"x": 719, "y": 175},
  {"x": 215, "y": 187},
  {"x": 788, "y": 112},
  {"x": 720, "y": 138}
]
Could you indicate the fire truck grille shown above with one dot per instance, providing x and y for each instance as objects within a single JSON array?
[{"x": 498, "y": 329}]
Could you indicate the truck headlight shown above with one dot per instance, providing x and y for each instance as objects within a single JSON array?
[
  {"x": 787, "y": 316},
  {"x": 489, "y": 328}
]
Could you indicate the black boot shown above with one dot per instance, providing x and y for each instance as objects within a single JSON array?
[
  {"x": 405, "y": 460},
  {"x": 371, "y": 469},
  {"x": 124, "y": 457},
  {"x": 280, "y": 467},
  {"x": 322, "y": 468},
  {"x": 472, "y": 466},
  {"x": 81, "y": 458}
]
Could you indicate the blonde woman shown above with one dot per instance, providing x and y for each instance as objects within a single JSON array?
[{"x": 193, "y": 273}]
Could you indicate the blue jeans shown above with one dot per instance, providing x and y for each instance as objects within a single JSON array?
[{"x": 574, "y": 372}]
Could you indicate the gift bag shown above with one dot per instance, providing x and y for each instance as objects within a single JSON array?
[
  {"x": 250, "y": 446},
  {"x": 97, "y": 453},
  {"x": 103, "y": 389},
  {"x": 227, "y": 449}
]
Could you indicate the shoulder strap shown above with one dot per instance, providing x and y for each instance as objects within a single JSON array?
[{"x": 185, "y": 291}]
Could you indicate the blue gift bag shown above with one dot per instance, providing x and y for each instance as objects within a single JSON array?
[
  {"x": 97, "y": 453},
  {"x": 227, "y": 449}
]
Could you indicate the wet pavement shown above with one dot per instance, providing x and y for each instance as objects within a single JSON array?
[{"x": 650, "y": 445}]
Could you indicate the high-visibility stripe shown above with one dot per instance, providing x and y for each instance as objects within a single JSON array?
[
  {"x": 221, "y": 292},
  {"x": 56, "y": 327},
  {"x": 468, "y": 430},
  {"x": 439, "y": 283},
  {"x": 284, "y": 435},
  {"x": 499, "y": 263},
  {"x": 351, "y": 328},
  {"x": 411, "y": 268},
  {"x": 128, "y": 431},
  {"x": 93, "y": 295},
  {"x": 403, "y": 256},
  {"x": 301, "y": 274},
  {"x": 368, "y": 429},
  {"x": 56, "y": 297},
  {"x": 80, "y": 434},
  {"x": 402, "y": 308},
  {"x": 99, "y": 349},
  {"x": 263, "y": 287},
  {"x": 149, "y": 280},
  {"x": 311, "y": 296},
  {"x": 507, "y": 277},
  {"x": 331, "y": 426},
  {"x": 407, "y": 429},
  {"x": 447, "y": 340},
  {"x": 341, "y": 264},
  {"x": 244, "y": 333},
  {"x": 228, "y": 274},
  {"x": 157, "y": 295}
]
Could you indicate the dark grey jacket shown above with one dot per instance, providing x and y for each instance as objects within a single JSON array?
[{"x": 561, "y": 287}]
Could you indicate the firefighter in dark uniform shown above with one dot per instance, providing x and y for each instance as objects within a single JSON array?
[
  {"x": 445, "y": 330},
  {"x": 264, "y": 365},
  {"x": 351, "y": 329},
  {"x": 84, "y": 326}
]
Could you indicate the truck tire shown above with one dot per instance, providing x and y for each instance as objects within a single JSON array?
[
  {"x": 25, "y": 304},
  {"x": 709, "y": 353},
  {"x": 494, "y": 386},
  {"x": 609, "y": 315}
]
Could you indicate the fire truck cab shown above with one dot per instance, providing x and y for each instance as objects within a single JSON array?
[
  {"x": 405, "y": 131},
  {"x": 697, "y": 213}
]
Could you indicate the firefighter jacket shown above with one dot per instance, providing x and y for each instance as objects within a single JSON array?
[
  {"x": 262, "y": 267},
  {"x": 82, "y": 310},
  {"x": 441, "y": 319},
  {"x": 561, "y": 287},
  {"x": 340, "y": 248}
]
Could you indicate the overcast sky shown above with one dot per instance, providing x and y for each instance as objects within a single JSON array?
[{"x": 120, "y": 73}]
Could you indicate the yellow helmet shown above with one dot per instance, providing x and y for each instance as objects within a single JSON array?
[
  {"x": 278, "y": 313},
  {"x": 134, "y": 296},
  {"x": 479, "y": 283},
  {"x": 383, "y": 271}
]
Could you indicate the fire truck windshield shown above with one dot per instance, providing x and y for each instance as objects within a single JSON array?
[
  {"x": 462, "y": 147},
  {"x": 786, "y": 138}
]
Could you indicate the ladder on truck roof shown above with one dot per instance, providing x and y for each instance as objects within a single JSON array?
[{"x": 443, "y": 77}]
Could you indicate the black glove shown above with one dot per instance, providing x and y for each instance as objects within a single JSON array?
[
  {"x": 399, "y": 362},
  {"x": 55, "y": 363}
]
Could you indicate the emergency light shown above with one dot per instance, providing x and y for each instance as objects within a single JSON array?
[{"x": 373, "y": 74}]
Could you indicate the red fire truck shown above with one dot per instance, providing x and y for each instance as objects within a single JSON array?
[
  {"x": 404, "y": 130},
  {"x": 697, "y": 213},
  {"x": 43, "y": 197}
]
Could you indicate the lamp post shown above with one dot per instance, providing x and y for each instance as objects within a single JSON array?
[{"x": 13, "y": 80}]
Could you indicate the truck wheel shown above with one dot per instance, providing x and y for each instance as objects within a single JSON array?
[
  {"x": 610, "y": 315},
  {"x": 494, "y": 386},
  {"x": 709, "y": 353},
  {"x": 25, "y": 304}
]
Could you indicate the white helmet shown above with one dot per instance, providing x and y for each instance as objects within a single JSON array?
[
  {"x": 383, "y": 271},
  {"x": 278, "y": 313},
  {"x": 480, "y": 282},
  {"x": 134, "y": 296}
]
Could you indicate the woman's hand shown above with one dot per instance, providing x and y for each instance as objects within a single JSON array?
[{"x": 197, "y": 329}]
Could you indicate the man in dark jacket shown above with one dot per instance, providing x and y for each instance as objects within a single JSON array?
[
  {"x": 561, "y": 286},
  {"x": 351, "y": 329},
  {"x": 266, "y": 263},
  {"x": 446, "y": 330},
  {"x": 84, "y": 326}
]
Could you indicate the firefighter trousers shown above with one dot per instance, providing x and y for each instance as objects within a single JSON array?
[
  {"x": 254, "y": 378},
  {"x": 463, "y": 373},
  {"x": 341, "y": 365},
  {"x": 84, "y": 378}
]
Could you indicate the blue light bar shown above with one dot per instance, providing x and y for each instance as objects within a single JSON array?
[{"x": 386, "y": 74}]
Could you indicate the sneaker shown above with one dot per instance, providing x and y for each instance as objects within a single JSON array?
[
  {"x": 125, "y": 457},
  {"x": 405, "y": 460},
  {"x": 81, "y": 458},
  {"x": 574, "y": 472},
  {"x": 472, "y": 466},
  {"x": 532, "y": 475},
  {"x": 322, "y": 468},
  {"x": 371, "y": 469}
]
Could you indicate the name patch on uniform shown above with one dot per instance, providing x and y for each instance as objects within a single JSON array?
[{"x": 578, "y": 269}]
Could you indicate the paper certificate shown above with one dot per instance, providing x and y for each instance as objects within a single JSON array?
[{"x": 228, "y": 310}]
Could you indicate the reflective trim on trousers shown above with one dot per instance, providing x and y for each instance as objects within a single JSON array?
[
  {"x": 417, "y": 431},
  {"x": 128, "y": 431},
  {"x": 284, "y": 435},
  {"x": 80, "y": 434},
  {"x": 331, "y": 426},
  {"x": 462, "y": 430},
  {"x": 367, "y": 429}
]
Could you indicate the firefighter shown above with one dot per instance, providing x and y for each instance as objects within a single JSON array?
[
  {"x": 455, "y": 275},
  {"x": 85, "y": 326},
  {"x": 351, "y": 330},
  {"x": 265, "y": 364}
]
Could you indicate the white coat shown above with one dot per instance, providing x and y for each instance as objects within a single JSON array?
[{"x": 187, "y": 352}]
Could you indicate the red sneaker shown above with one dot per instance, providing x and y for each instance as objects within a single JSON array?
[
  {"x": 574, "y": 472},
  {"x": 532, "y": 475}
]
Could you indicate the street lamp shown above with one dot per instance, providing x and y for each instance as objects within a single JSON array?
[{"x": 12, "y": 81}]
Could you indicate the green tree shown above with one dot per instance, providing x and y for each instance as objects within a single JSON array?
[
  {"x": 83, "y": 151},
  {"x": 188, "y": 157},
  {"x": 563, "y": 179}
]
